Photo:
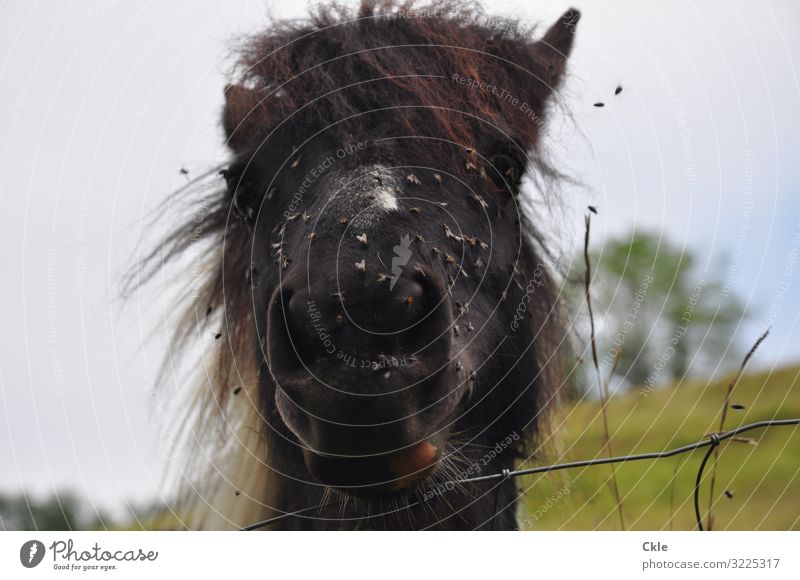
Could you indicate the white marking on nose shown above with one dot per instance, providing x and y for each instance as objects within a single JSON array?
[
  {"x": 367, "y": 195},
  {"x": 386, "y": 199}
]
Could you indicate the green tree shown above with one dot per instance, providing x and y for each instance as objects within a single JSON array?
[
  {"x": 656, "y": 308},
  {"x": 58, "y": 512}
]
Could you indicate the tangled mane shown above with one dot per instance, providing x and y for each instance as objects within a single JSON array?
[
  {"x": 392, "y": 58},
  {"x": 386, "y": 68}
]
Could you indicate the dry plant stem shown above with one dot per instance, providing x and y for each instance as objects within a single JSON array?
[
  {"x": 672, "y": 498},
  {"x": 726, "y": 404},
  {"x": 602, "y": 385}
]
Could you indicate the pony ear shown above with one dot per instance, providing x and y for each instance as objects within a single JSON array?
[
  {"x": 243, "y": 114},
  {"x": 553, "y": 49}
]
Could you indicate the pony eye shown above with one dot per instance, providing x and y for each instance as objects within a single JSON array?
[
  {"x": 243, "y": 191},
  {"x": 506, "y": 170}
]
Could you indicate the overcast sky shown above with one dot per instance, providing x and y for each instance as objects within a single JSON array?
[{"x": 101, "y": 104}]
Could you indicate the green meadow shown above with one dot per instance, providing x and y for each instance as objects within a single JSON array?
[{"x": 760, "y": 473}]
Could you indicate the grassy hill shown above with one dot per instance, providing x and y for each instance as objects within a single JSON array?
[{"x": 763, "y": 476}]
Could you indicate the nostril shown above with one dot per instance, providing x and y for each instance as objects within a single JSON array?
[
  {"x": 432, "y": 315},
  {"x": 418, "y": 291},
  {"x": 426, "y": 282},
  {"x": 288, "y": 346},
  {"x": 283, "y": 301},
  {"x": 413, "y": 293},
  {"x": 413, "y": 302}
]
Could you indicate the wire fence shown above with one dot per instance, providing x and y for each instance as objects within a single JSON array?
[{"x": 712, "y": 442}]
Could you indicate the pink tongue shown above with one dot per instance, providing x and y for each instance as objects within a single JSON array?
[{"x": 415, "y": 459}]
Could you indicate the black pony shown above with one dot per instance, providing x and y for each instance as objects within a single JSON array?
[{"x": 380, "y": 318}]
